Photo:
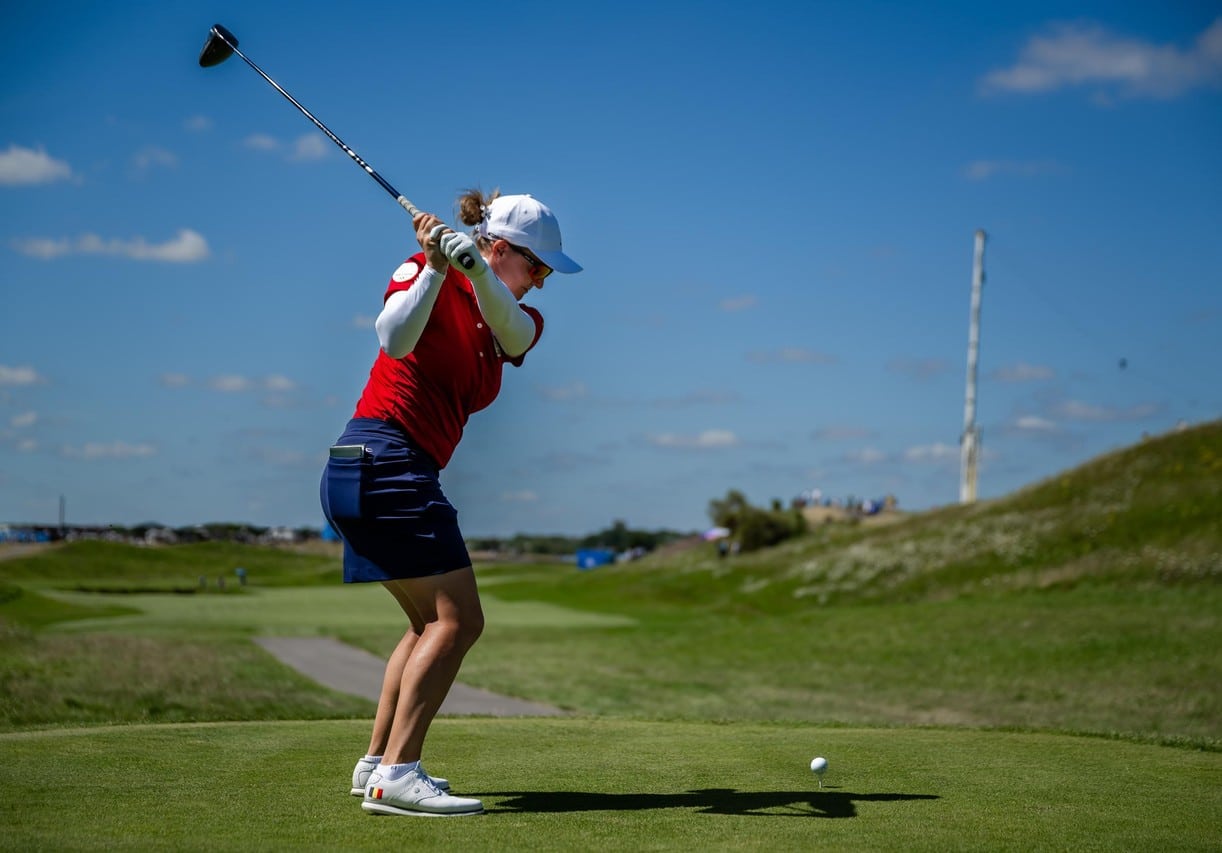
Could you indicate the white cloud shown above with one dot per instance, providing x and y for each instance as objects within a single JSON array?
[
  {"x": 111, "y": 450},
  {"x": 866, "y": 456},
  {"x": 23, "y": 375},
  {"x": 25, "y": 167},
  {"x": 229, "y": 384},
  {"x": 523, "y": 497},
  {"x": 173, "y": 380},
  {"x": 310, "y": 147},
  {"x": 276, "y": 382},
  {"x": 562, "y": 393},
  {"x": 25, "y": 419},
  {"x": 1021, "y": 372},
  {"x": 363, "y": 321},
  {"x": 43, "y": 247},
  {"x": 936, "y": 452},
  {"x": 261, "y": 142},
  {"x": 197, "y": 124},
  {"x": 1088, "y": 55},
  {"x": 1034, "y": 423},
  {"x": 185, "y": 247},
  {"x": 981, "y": 170},
  {"x": 1076, "y": 410},
  {"x": 710, "y": 439},
  {"x": 918, "y": 368},
  {"x": 27, "y": 445},
  {"x": 150, "y": 156}
]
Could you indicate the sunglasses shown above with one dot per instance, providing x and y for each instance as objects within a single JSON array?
[{"x": 538, "y": 269}]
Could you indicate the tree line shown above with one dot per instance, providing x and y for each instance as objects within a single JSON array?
[{"x": 619, "y": 537}]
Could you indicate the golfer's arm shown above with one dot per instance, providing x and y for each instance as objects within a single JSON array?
[
  {"x": 514, "y": 329},
  {"x": 406, "y": 313}
]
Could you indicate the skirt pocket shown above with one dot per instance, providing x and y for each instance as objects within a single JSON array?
[{"x": 344, "y": 483}]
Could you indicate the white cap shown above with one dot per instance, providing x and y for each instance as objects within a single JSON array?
[{"x": 529, "y": 223}]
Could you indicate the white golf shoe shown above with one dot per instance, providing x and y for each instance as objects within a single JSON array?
[
  {"x": 363, "y": 769},
  {"x": 416, "y": 794}
]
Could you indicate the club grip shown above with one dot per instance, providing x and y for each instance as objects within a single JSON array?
[
  {"x": 411, "y": 209},
  {"x": 464, "y": 260}
]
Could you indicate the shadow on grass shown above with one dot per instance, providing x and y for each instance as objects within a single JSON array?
[{"x": 821, "y": 803}]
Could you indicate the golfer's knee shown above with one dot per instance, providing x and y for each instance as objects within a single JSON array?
[
  {"x": 460, "y": 632},
  {"x": 470, "y": 627}
]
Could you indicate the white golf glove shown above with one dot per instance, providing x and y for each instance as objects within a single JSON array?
[
  {"x": 512, "y": 327},
  {"x": 462, "y": 253}
]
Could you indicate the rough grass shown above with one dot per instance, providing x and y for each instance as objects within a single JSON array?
[
  {"x": 121, "y": 568},
  {"x": 49, "y": 679},
  {"x": 21, "y": 606},
  {"x": 1146, "y": 517}
]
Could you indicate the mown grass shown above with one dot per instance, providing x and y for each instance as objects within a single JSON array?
[{"x": 609, "y": 785}]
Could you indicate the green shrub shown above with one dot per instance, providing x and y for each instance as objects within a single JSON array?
[{"x": 754, "y": 528}]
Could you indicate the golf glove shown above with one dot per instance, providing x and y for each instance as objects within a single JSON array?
[
  {"x": 458, "y": 247},
  {"x": 513, "y": 328}
]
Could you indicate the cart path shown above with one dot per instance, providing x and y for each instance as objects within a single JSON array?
[{"x": 351, "y": 670}]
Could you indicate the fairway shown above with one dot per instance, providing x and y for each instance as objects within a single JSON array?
[
  {"x": 610, "y": 785},
  {"x": 304, "y": 610}
]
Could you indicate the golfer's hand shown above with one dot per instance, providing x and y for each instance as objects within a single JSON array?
[
  {"x": 429, "y": 230},
  {"x": 460, "y": 249}
]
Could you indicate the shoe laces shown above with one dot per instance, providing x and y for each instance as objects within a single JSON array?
[{"x": 427, "y": 781}]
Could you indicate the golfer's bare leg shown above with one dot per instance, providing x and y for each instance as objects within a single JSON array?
[
  {"x": 393, "y": 676},
  {"x": 453, "y": 620}
]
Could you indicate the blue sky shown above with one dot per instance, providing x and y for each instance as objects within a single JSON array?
[{"x": 774, "y": 202}]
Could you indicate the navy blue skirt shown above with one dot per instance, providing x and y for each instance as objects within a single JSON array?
[{"x": 382, "y": 495}]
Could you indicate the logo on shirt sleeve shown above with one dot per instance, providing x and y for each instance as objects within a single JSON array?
[{"x": 406, "y": 272}]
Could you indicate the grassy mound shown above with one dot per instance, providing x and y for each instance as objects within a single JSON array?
[{"x": 1149, "y": 516}]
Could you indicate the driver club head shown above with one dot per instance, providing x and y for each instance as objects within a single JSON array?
[{"x": 218, "y": 47}]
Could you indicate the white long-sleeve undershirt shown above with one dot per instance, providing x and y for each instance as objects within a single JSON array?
[
  {"x": 406, "y": 313},
  {"x": 514, "y": 328}
]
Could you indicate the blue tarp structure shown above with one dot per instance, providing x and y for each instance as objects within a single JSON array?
[
  {"x": 592, "y": 558},
  {"x": 10, "y": 534}
]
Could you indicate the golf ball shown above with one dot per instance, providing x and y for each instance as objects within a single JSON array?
[{"x": 818, "y": 765}]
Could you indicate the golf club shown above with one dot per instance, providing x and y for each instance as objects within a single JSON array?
[{"x": 222, "y": 44}]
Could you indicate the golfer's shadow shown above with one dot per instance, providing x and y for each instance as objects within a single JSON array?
[{"x": 819, "y": 803}]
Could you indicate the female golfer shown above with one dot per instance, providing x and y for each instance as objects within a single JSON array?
[{"x": 449, "y": 323}]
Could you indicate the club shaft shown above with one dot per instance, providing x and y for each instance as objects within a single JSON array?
[{"x": 369, "y": 170}]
